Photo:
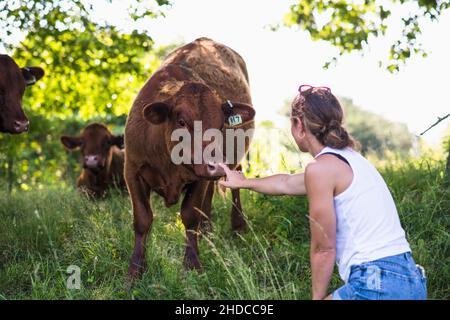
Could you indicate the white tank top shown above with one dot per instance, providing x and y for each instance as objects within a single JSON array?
[{"x": 367, "y": 227}]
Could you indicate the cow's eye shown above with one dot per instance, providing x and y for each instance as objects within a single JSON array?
[{"x": 181, "y": 123}]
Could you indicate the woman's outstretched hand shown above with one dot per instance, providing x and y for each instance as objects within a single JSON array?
[
  {"x": 278, "y": 184},
  {"x": 235, "y": 179}
]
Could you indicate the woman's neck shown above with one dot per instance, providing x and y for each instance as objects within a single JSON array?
[{"x": 315, "y": 147}]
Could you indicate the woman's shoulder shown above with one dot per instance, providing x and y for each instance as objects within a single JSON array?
[
  {"x": 327, "y": 166},
  {"x": 321, "y": 166},
  {"x": 318, "y": 177}
]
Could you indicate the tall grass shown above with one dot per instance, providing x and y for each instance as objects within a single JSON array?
[{"x": 42, "y": 232}]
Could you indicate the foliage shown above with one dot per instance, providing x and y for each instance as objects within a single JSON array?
[
  {"x": 84, "y": 59},
  {"x": 42, "y": 232},
  {"x": 350, "y": 25},
  {"x": 66, "y": 102},
  {"x": 93, "y": 73},
  {"x": 272, "y": 150},
  {"x": 446, "y": 146},
  {"x": 375, "y": 133},
  {"x": 56, "y": 16}
]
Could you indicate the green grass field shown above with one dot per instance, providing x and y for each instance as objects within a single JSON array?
[{"x": 42, "y": 232}]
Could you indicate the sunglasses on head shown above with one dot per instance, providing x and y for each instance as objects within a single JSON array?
[{"x": 306, "y": 87}]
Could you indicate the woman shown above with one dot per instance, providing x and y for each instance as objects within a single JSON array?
[{"x": 353, "y": 218}]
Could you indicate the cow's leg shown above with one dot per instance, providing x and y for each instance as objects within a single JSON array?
[
  {"x": 238, "y": 223},
  {"x": 143, "y": 218},
  {"x": 191, "y": 216},
  {"x": 206, "y": 223}
]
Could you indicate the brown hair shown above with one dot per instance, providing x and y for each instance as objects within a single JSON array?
[{"x": 320, "y": 112}]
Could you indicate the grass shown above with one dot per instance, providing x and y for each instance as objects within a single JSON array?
[{"x": 43, "y": 232}]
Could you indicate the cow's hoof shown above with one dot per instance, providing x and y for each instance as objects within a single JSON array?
[
  {"x": 191, "y": 263},
  {"x": 239, "y": 228},
  {"x": 135, "y": 271}
]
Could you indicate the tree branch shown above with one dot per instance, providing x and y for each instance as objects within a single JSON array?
[{"x": 436, "y": 123}]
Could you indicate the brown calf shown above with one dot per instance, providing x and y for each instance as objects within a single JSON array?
[
  {"x": 193, "y": 84},
  {"x": 13, "y": 81},
  {"x": 102, "y": 159}
]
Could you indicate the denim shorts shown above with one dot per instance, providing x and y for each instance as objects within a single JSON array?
[{"x": 391, "y": 278}]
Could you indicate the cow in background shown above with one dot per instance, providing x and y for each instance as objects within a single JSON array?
[
  {"x": 102, "y": 159},
  {"x": 13, "y": 81}
]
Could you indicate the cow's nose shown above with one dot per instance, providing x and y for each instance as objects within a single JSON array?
[
  {"x": 214, "y": 169},
  {"x": 91, "y": 161},
  {"x": 21, "y": 126},
  {"x": 211, "y": 166}
]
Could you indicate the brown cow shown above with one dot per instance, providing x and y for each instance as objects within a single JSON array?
[
  {"x": 13, "y": 81},
  {"x": 193, "y": 83},
  {"x": 102, "y": 159}
]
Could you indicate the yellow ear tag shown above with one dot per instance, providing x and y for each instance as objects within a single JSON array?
[{"x": 235, "y": 120}]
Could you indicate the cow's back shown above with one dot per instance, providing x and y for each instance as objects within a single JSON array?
[{"x": 220, "y": 67}]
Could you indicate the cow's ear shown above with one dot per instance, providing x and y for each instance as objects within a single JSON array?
[
  {"x": 157, "y": 112},
  {"x": 237, "y": 112},
  {"x": 32, "y": 74},
  {"x": 71, "y": 143},
  {"x": 118, "y": 141}
]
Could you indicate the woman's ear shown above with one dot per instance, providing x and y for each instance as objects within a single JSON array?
[
  {"x": 296, "y": 122},
  {"x": 298, "y": 127},
  {"x": 301, "y": 129},
  {"x": 157, "y": 112},
  {"x": 71, "y": 143},
  {"x": 237, "y": 112}
]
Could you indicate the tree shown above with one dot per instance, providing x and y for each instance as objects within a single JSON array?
[
  {"x": 349, "y": 25},
  {"x": 85, "y": 60},
  {"x": 93, "y": 72}
]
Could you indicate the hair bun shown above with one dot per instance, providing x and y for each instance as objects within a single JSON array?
[
  {"x": 336, "y": 135},
  {"x": 333, "y": 125}
]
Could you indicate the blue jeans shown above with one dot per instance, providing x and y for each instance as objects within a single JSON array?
[{"x": 391, "y": 278}]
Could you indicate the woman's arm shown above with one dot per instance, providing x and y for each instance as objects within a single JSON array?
[
  {"x": 279, "y": 184},
  {"x": 320, "y": 188}
]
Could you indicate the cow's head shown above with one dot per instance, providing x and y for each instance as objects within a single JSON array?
[
  {"x": 13, "y": 81},
  {"x": 95, "y": 143},
  {"x": 197, "y": 102}
]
